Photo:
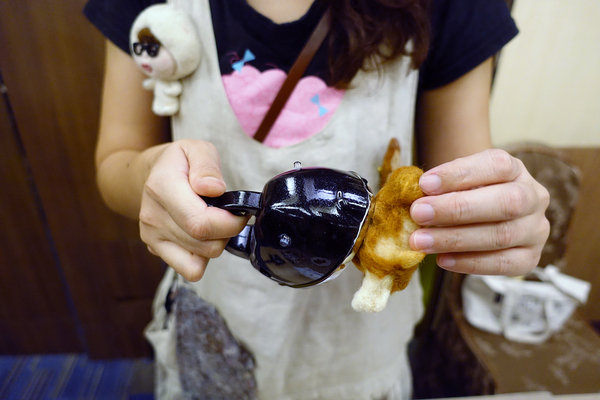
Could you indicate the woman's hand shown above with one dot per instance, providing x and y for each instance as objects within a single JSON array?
[
  {"x": 141, "y": 176},
  {"x": 175, "y": 222},
  {"x": 483, "y": 214}
]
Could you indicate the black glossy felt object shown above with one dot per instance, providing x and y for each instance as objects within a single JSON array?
[{"x": 307, "y": 221}]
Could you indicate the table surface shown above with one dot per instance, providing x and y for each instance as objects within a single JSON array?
[{"x": 532, "y": 396}]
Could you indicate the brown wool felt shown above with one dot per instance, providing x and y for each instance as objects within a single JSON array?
[{"x": 382, "y": 251}]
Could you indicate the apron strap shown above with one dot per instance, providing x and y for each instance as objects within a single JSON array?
[{"x": 294, "y": 75}]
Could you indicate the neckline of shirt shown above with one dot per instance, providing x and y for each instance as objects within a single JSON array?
[{"x": 263, "y": 27}]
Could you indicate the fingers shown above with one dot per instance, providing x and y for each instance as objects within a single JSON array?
[
  {"x": 187, "y": 255},
  {"x": 482, "y": 214},
  {"x": 497, "y": 202},
  {"x": 523, "y": 232},
  {"x": 189, "y": 265},
  {"x": 168, "y": 186},
  {"x": 175, "y": 223},
  {"x": 204, "y": 169},
  {"x": 208, "y": 242},
  {"x": 485, "y": 168},
  {"x": 158, "y": 226},
  {"x": 510, "y": 262},
  {"x": 508, "y": 248}
]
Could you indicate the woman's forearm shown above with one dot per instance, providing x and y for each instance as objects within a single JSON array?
[
  {"x": 453, "y": 121},
  {"x": 121, "y": 177},
  {"x": 130, "y": 137}
]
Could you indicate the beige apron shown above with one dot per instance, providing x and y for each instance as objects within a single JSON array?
[{"x": 307, "y": 343}]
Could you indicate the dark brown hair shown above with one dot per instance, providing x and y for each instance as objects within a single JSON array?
[
  {"x": 145, "y": 36},
  {"x": 366, "y": 34}
]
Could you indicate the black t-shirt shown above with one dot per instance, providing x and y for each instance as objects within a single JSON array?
[
  {"x": 464, "y": 34},
  {"x": 241, "y": 31}
]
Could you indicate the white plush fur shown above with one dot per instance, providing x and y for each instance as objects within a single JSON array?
[
  {"x": 373, "y": 294},
  {"x": 177, "y": 33}
]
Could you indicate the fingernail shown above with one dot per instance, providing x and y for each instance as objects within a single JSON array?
[
  {"x": 209, "y": 186},
  {"x": 422, "y": 241},
  {"x": 446, "y": 261},
  {"x": 210, "y": 181},
  {"x": 422, "y": 213},
  {"x": 430, "y": 183}
]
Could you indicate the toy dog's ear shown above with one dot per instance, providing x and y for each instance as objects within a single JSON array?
[{"x": 391, "y": 160}]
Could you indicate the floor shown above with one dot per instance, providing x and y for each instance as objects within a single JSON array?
[{"x": 74, "y": 376}]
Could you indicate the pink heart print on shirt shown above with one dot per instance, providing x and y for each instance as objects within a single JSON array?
[{"x": 307, "y": 111}]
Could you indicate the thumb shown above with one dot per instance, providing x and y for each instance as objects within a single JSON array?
[{"x": 205, "y": 171}]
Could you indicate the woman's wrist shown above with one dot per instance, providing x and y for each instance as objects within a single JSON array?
[{"x": 121, "y": 177}]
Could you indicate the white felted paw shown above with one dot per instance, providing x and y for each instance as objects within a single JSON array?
[{"x": 373, "y": 294}]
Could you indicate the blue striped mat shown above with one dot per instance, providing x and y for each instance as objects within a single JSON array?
[{"x": 74, "y": 376}]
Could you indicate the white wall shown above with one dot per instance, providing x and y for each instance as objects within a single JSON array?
[{"x": 548, "y": 84}]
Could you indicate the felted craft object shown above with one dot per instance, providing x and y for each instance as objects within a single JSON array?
[
  {"x": 166, "y": 47},
  {"x": 384, "y": 255},
  {"x": 211, "y": 362}
]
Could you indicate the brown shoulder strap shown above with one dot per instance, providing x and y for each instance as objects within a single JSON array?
[{"x": 296, "y": 72}]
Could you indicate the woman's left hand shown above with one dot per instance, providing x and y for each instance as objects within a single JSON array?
[{"x": 482, "y": 214}]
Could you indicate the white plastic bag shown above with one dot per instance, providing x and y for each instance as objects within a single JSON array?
[{"x": 523, "y": 311}]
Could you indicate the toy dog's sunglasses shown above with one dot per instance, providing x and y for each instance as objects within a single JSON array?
[{"x": 151, "y": 48}]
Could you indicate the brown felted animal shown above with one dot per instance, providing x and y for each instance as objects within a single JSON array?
[{"x": 384, "y": 255}]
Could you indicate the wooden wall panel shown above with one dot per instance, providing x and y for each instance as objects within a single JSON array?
[
  {"x": 51, "y": 59},
  {"x": 583, "y": 241},
  {"x": 33, "y": 296}
]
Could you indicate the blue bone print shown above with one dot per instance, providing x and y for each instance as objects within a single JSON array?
[
  {"x": 316, "y": 100},
  {"x": 248, "y": 56}
]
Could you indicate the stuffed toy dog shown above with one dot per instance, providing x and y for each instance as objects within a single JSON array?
[{"x": 384, "y": 255}]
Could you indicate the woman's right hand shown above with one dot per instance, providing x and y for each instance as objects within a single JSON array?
[{"x": 175, "y": 223}]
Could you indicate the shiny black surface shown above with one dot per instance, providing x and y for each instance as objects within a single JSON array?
[
  {"x": 306, "y": 224},
  {"x": 310, "y": 224},
  {"x": 236, "y": 202}
]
